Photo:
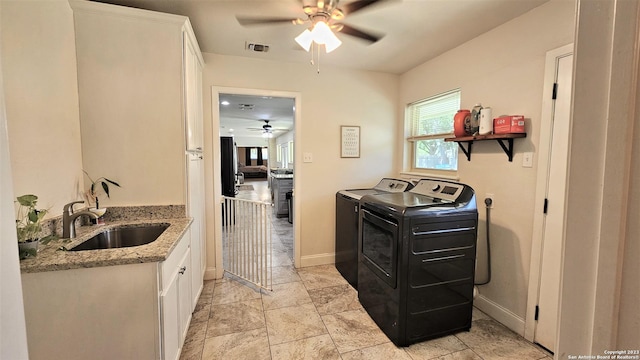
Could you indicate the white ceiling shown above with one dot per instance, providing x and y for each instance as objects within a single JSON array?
[
  {"x": 245, "y": 114},
  {"x": 414, "y": 31}
]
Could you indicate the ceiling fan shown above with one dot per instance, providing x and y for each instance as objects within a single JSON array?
[
  {"x": 266, "y": 129},
  {"x": 324, "y": 16}
]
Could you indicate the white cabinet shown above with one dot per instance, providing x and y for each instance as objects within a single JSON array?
[
  {"x": 133, "y": 311},
  {"x": 170, "y": 322},
  {"x": 194, "y": 139},
  {"x": 195, "y": 210},
  {"x": 193, "y": 94},
  {"x": 175, "y": 298}
]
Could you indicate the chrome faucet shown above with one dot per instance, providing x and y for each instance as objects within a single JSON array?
[{"x": 69, "y": 219}]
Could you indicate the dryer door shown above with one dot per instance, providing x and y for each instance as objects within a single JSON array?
[{"x": 380, "y": 245}]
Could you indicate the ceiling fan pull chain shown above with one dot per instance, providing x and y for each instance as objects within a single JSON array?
[
  {"x": 312, "y": 51},
  {"x": 318, "y": 51}
]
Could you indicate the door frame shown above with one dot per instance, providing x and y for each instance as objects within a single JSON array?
[
  {"x": 544, "y": 152},
  {"x": 217, "y": 183}
]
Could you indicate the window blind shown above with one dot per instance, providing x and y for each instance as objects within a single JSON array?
[{"x": 434, "y": 116}]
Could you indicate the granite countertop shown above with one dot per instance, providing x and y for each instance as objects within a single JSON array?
[{"x": 51, "y": 257}]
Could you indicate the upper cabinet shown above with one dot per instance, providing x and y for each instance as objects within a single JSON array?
[
  {"x": 140, "y": 96},
  {"x": 193, "y": 93}
]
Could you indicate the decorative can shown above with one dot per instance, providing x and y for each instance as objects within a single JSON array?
[
  {"x": 459, "y": 121},
  {"x": 474, "y": 123}
]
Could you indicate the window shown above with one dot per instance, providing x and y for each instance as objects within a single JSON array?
[
  {"x": 431, "y": 120},
  {"x": 265, "y": 153},
  {"x": 254, "y": 154},
  {"x": 290, "y": 151}
]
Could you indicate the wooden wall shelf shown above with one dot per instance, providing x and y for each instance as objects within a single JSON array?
[{"x": 500, "y": 138}]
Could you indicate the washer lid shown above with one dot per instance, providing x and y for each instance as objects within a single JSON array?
[
  {"x": 386, "y": 185},
  {"x": 359, "y": 193}
]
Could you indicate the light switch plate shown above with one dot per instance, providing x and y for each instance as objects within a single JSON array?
[
  {"x": 307, "y": 157},
  {"x": 527, "y": 159}
]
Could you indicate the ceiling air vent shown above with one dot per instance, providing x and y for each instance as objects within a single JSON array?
[{"x": 257, "y": 47}]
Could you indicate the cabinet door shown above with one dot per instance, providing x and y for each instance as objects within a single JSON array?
[
  {"x": 192, "y": 96},
  {"x": 195, "y": 210},
  {"x": 170, "y": 321},
  {"x": 184, "y": 295}
]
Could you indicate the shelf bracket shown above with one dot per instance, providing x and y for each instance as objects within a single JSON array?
[
  {"x": 507, "y": 149},
  {"x": 466, "y": 151}
]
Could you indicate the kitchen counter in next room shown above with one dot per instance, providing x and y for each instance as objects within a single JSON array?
[
  {"x": 51, "y": 258},
  {"x": 281, "y": 184}
]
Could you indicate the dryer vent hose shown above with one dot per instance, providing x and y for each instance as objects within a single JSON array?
[{"x": 487, "y": 203}]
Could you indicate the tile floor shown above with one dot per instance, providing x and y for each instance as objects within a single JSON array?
[{"x": 313, "y": 313}]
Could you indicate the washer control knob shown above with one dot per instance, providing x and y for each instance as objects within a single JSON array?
[{"x": 435, "y": 188}]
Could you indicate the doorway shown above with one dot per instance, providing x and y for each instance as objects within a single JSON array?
[
  {"x": 546, "y": 263},
  {"x": 269, "y": 118}
]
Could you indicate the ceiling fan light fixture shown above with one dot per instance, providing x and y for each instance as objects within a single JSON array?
[
  {"x": 305, "y": 39},
  {"x": 321, "y": 32},
  {"x": 332, "y": 44}
]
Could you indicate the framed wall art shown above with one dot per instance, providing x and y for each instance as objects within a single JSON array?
[{"x": 350, "y": 141}]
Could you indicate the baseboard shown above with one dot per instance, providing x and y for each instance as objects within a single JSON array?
[
  {"x": 501, "y": 314},
  {"x": 318, "y": 259},
  {"x": 210, "y": 273}
]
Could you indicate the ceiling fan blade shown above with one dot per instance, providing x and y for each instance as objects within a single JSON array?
[
  {"x": 266, "y": 21},
  {"x": 350, "y": 8},
  {"x": 350, "y": 30}
]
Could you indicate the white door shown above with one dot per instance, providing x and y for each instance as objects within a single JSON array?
[{"x": 548, "y": 298}]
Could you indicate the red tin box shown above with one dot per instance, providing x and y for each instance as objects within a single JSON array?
[{"x": 508, "y": 124}]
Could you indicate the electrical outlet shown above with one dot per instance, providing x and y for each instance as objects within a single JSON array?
[
  {"x": 307, "y": 157},
  {"x": 492, "y": 202},
  {"x": 527, "y": 159}
]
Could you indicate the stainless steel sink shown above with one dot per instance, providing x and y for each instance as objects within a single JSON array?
[{"x": 125, "y": 236}]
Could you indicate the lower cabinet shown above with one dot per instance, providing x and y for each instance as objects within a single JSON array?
[
  {"x": 281, "y": 185},
  {"x": 135, "y": 311},
  {"x": 175, "y": 298}
]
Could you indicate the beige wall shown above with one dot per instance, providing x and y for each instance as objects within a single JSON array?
[
  {"x": 503, "y": 69},
  {"x": 131, "y": 103},
  {"x": 39, "y": 69},
  {"x": 334, "y": 97}
]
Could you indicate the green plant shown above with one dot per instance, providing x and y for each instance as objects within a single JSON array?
[
  {"x": 93, "y": 191},
  {"x": 28, "y": 222}
]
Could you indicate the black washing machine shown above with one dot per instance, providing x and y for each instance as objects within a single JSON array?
[
  {"x": 417, "y": 260},
  {"x": 347, "y": 211}
]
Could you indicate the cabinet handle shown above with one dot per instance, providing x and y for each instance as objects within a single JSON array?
[{"x": 182, "y": 270}]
